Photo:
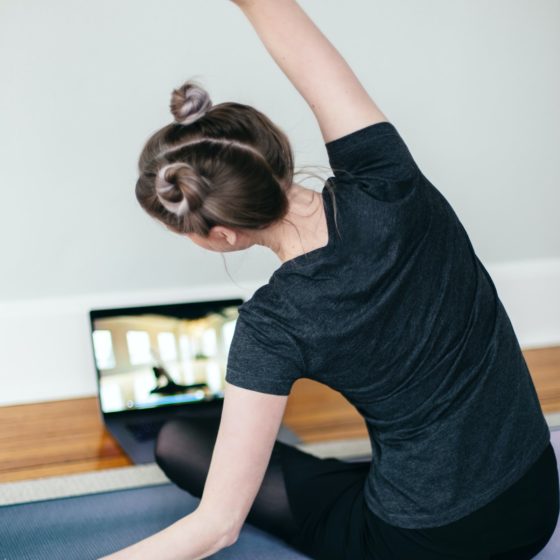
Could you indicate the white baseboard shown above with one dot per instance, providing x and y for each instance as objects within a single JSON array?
[
  {"x": 530, "y": 292},
  {"x": 45, "y": 351}
]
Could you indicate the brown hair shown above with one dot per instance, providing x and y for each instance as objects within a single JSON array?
[{"x": 226, "y": 164}]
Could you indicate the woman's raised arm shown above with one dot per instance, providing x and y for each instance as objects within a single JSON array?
[{"x": 316, "y": 69}]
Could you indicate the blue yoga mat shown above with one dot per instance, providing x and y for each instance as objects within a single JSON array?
[{"x": 91, "y": 526}]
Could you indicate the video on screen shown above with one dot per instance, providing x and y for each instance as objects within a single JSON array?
[{"x": 150, "y": 360}]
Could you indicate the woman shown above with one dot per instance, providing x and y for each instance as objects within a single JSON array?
[{"x": 380, "y": 296}]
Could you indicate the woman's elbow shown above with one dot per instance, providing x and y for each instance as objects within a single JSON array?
[
  {"x": 231, "y": 538},
  {"x": 225, "y": 530},
  {"x": 231, "y": 533}
]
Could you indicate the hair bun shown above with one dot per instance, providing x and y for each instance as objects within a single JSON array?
[
  {"x": 179, "y": 188},
  {"x": 189, "y": 103}
]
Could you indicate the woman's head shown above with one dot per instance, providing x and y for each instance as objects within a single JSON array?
[{"x": 226, "y": 165}]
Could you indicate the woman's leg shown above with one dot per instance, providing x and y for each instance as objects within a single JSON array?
[
  {"x": 311, "y": 503},
  {"x": 516, "y": 525},
  {"x": 538, "y": 490},
  {"x": 523, "y": 553},
  {"x": 184, "y": 450}
]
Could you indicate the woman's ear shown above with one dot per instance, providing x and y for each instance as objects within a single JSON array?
[{"x": 221, "y": 235}]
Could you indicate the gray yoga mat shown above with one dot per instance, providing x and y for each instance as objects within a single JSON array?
[{"x": 91, "y": 526}]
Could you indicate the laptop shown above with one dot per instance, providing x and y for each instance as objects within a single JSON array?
[{"x": 159, "y": 362}]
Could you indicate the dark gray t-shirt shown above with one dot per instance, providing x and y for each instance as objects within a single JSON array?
[{"x": 399, "y": 315}]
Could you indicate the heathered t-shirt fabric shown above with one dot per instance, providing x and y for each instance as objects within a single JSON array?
[{"x": 399, "y": 315}]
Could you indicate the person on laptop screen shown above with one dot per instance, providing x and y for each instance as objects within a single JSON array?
[{"x": 379, "y": 295}]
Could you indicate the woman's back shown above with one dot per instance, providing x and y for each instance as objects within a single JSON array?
[{"x": 401, "y": 317}]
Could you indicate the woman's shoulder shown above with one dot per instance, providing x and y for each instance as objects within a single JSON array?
[
  {"x": 361, "y": 135},
  {"x": 376, "y": 156},
  {"x": 263, "y": 300}
]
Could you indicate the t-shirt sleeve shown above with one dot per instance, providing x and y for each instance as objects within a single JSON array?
[
  {"x": 262, "y": 356},
  {"x": 376, "y": 155}
]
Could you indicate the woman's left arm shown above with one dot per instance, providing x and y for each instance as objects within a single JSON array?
[{"x": 248, "y": 429}]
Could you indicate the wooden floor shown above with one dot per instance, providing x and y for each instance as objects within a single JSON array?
[{"x": 62, "y": 437}]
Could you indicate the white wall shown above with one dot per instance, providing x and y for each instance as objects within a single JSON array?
[{"x": 471, "y": 85}]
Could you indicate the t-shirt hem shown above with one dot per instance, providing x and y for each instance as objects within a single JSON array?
[{"x": 429, "y": 521}]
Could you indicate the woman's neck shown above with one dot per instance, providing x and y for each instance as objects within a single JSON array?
[{"x": 303, "y": 229}]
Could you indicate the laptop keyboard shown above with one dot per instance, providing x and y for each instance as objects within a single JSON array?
[{"x": 145, "y": 431}]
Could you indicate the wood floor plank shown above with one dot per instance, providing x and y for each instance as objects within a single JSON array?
[{"x": 544, "y": 365}]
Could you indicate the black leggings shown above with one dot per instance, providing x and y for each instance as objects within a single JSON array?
[{"x": 317, "y": 505}]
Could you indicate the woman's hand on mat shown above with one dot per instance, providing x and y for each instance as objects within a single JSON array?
[
  {"x": 248, "y": 428},
  {"x": 193, "y": 537}
]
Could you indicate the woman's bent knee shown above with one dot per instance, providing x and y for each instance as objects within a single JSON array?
[{"x": 183, "y": 450}]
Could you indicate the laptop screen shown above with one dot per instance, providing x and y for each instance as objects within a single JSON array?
[{"x": 162, "y": 355}]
